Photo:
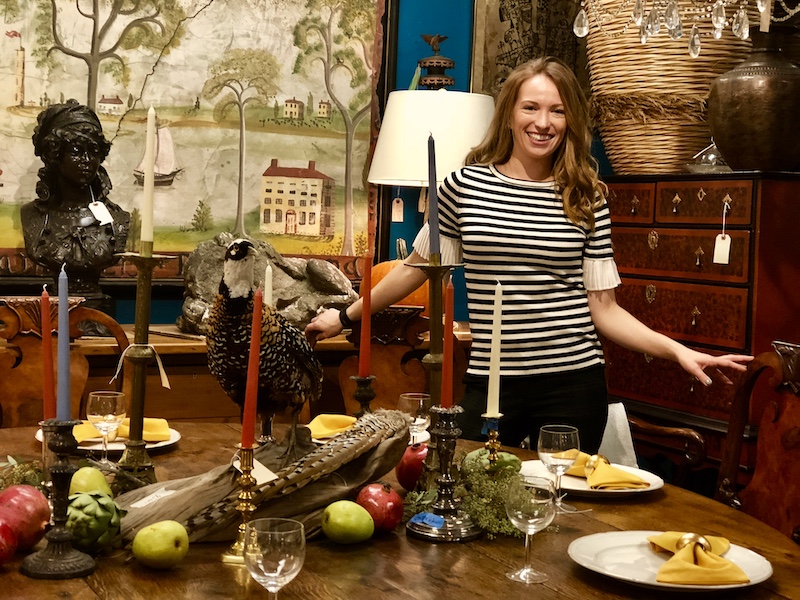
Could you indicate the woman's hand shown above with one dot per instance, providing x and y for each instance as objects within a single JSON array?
[
  {"x": 696, "y": 363},
  {"x": 325, "y": 325}
]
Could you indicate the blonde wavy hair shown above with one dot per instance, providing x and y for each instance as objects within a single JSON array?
[{"x": 574, "y": 168}]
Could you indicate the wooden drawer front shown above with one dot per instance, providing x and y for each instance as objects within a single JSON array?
[
  {"x": 702, "y": 202},
  {"x": 631, "y": 202},
  {"x": 664, "y": 383},
  {"x": 680, "y": 253},
  {"x": 703, "y": 314}
]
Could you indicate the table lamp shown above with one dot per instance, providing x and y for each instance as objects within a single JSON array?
[{"x": 457, "y": 122}]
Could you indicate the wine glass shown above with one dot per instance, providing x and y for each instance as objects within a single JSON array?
[
  {"x": 416, "y": 404},
  {"x": 558, "y": 449},
  {"x": 530, "y": 505},
  {"x": 274, "y": 551},
  {"x": 105, "y": 409}
]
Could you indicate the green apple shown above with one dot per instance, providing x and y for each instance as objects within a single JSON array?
[
  {"x": 89, "y": 479},
  {"x": 346, "y": 522},
  {"x": 161, "y": 545}
]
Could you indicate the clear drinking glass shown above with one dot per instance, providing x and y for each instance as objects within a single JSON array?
[
  {"x": 274, "y": 551},
  {"x": 105, "y": 409},
  {"x": 558, "y": 449},
  {"x": 417, "y": 405},
  {"x": 530, "y": 505}
]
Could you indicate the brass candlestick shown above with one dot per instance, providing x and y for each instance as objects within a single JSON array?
[
  {"x": 364, "y": 394},
  {"x": 135, "y": 460},
  {"x": 245, "y": 506},
  {"x": 491, "y": 428},
  {"x": 446, "y": 522},
  {"x": 59, "y": 560}
]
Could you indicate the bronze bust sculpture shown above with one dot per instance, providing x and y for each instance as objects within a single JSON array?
[{"x": 72, "y": 222}]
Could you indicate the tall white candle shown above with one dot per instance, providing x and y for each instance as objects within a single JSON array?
[
  {"x": 149, "y": 177},
  {"x": 63, "y": 402},
  {"x": 268, "y": 285},
  {"x": 493, "y": 393}
]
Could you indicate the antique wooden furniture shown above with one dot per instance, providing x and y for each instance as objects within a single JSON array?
[
  {"x": 773, "y": 494},
  {"x": 21, "y": 356},
  {"x": 664, "y": 232},
  {"x": 394, "y": 565}
]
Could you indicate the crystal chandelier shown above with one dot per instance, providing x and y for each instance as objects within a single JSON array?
[{"x": 650, "y": 17}]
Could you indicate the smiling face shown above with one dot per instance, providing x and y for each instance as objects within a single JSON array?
[{"x": 538, "y": 125}]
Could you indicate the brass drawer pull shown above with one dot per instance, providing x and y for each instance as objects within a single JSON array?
[
  {"x": 695, "y": 314},
  {"x": 652, "y": 240},
  {"x": 699, "y": 254},
  {"x": 650, "y": 293},
  {"x": 701, "y": 194},
  {"x": 675, "y": 202},
  {"x": 634, "y": 204},
  {"x": 647, "y": 358}
]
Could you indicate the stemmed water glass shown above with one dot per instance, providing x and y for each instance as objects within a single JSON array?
[
  {"x": 106, "y": 409},
  {"x": 530, "y": 505},
  {"x": 274, "y": 551},
  {"x": 558, "y": 449},
  {"x": 416, "y": 405}
]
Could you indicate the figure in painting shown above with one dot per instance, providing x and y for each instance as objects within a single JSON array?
[{"x": 72, "y": 221}]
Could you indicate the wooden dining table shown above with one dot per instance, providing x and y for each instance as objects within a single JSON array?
[{"x": 395, "y": 565}]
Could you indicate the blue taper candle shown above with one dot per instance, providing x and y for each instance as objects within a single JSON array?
[
  {"x": 433, "y": 198},
  {"x": 63, "y": 412}
]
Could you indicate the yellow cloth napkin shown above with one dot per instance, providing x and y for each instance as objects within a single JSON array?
[
  {"x": 327, "y": 425},
  {"x": 153, "y": 430},
  {"x": 85, "y": 431},
  {"x": 606, "y": 477},
  {"x": 693, "y": 565}
]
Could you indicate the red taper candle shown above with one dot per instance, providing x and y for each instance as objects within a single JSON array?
[
  {"x": 447, "y": 352},
  {"x": 48, "y": 373},
  {"x": 251, "y": 391},
  {"x": 366, "y": 321}
]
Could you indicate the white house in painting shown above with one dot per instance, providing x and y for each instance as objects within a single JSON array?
[
  {"x": 294, "y": 109},
  {"x": 296, "y": 201},
  {"x": 110, "y": 106},
  {"x": 324, "y": 109}
]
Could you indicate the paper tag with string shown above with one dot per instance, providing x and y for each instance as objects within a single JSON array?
[
  {"x": 161, "y": 371},
  {"x": 100, "y": 212},
  {"x": 397, "y": 210},
  {"x": 260, "y": 473},
  {"x": 722, "y": 243}
]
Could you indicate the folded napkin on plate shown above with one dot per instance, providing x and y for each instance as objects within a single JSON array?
[
  {"x": 328, "y": 425},
  {"x": 153, "y": 430},
  {"x": 606, "y": 477},
  {"x": 694, "y": 565}
]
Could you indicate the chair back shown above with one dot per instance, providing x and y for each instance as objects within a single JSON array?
[{"x": 773, "y": 493}]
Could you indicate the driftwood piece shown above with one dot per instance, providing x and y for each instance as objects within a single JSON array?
[{"x": 206, "y": 504}]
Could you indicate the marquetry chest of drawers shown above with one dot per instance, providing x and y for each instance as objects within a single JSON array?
[{"x": 664, "y": 230}]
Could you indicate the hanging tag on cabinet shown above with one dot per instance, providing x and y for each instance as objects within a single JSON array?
[
  {"x": 101, "y": 213},
  {"x": 722, "y": 243},
  {"x": 397, "y": 210}
]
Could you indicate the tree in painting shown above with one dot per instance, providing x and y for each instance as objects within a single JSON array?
[
  {"x": 244, "y": 77},
  {"x": 110, "y": 28},
  {"x": 337, "y": 36}
]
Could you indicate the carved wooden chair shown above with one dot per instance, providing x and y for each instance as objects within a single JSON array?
[
  {"x": 773, "y": 493},
  {"x": 21, "y": 401}
]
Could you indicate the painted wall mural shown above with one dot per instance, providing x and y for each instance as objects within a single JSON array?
[{"x": 264, "y": 114}]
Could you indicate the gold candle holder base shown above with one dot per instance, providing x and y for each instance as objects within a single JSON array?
[
  {"x": 446, "y": 522},
  {"x": 491, "y": 428},
  {"x": 364, "y": 394},
  {"x": 245, "y": 506}
]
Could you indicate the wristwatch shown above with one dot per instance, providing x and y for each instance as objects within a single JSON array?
[{"x": 346, "y": 322}]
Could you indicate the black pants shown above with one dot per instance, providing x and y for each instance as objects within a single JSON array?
[{"x": 577, "y": 398}]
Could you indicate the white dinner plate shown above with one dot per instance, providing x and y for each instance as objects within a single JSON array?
[
  {"x": 578, "y": 486},
  {"x": 118, "y": 445},
  {"x": 626, "y": 555}
]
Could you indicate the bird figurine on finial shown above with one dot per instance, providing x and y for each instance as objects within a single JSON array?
[{"x": 433, "y": 41}]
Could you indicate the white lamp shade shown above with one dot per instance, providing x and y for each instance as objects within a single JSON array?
[{"x": 456, "y": 120}]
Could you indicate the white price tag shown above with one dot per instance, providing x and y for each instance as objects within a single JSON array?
[
  {"x": 397, "y": 210},
  {"x": 722, "y": 249},
  {"x": 261, "y": 473},
  {"x": 162, "y": 493},
  {"x": 100, "y": 212}
]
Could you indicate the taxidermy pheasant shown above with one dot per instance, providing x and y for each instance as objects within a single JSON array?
[{"x": 289, "y": 373}]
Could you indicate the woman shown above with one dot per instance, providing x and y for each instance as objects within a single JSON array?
[
  {"x": 72, "y": 221},
  {"x": 528, "y": 211}
]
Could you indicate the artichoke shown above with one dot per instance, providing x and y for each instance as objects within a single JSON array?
[
  {"x": 505, "y": 460},
  {"x": 93, "y": 518}
]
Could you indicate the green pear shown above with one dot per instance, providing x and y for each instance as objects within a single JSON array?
[
  {"x": 161, "y": 545},
  {"x": 346, "y": 522},
  {"x": 89, "y": 479}
]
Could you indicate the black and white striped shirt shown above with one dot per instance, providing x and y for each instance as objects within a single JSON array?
[{"x": 515, "y": 232}]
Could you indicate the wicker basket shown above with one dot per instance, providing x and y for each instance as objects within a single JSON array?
[{"x": 648, "y": 100}]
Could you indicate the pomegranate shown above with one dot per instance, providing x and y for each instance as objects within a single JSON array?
[
  {"x": 8, "y": 543},
  {"x": 384, "y": 505},
  {"x": 409, "y": 469},
  {"x": 26, "y": 510}
]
